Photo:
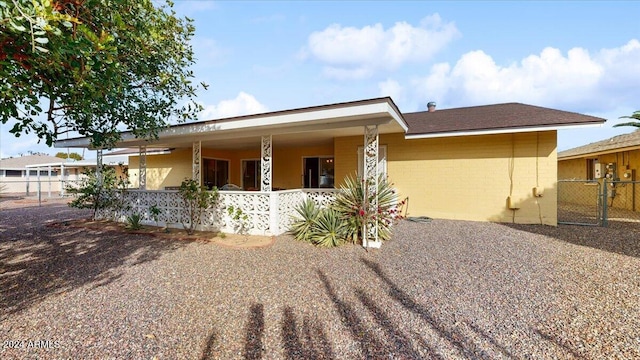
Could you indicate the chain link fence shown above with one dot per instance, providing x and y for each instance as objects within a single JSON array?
[
  {"x": 580, "y": 202},
  {"x": 612, "y": 203}
]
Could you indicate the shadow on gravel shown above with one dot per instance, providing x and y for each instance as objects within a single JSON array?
[
  {"x": 309, "y": 343},
  {"x": 209, "y": 352},
  {"x": 39, "y": 260},
  {"x": 619, "y": 241},
  {"x": 452, "y": 334},
  {"x": 253, "y": 348}
]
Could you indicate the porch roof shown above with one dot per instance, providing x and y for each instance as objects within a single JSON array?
[{"x": 290, "y": 127}]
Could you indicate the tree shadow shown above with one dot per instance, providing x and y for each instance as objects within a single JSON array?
[
  {"x": 38, "y": 260},
  {"x": 209, "y": 349},
  {"x": 401, "y": 344},
  {"x": 560, "y": 343},
  {"x": 314, "y": 343},
  {"x": 466, "y": 346},
  {"x": 368, "y": 341},
  {"x": 253, "y": 348}
]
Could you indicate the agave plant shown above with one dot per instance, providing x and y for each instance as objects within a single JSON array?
[
  {"x": 328, "y": 229},
  {"x": 301, "y": 226}
]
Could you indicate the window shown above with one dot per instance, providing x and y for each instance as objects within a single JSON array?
[
  {"x": 382, "y": 160},
  {"x": 318, "y": 172},
  {"x": 251, "y": 174},
  {"x": 216, "y": 172},
  {"x": 13, "y": 173}
]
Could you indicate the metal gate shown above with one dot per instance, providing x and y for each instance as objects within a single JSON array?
[
  {"x": 613, "y": 203},
  {"x": 580, "y": 202}
]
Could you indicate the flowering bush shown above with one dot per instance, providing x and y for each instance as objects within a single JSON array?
[{"x": 355, "y": 211}]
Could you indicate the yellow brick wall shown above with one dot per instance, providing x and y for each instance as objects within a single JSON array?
[
  {"x": 468, "y": 177},
  {"x": 171, "y": 169},
  {"x": 162, "y": 170}
]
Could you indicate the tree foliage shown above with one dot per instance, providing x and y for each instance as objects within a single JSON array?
[
  {"x": 635, "y": 116},
  {"x": 73, "y": 155},
  {"x": 94, "y": 67}
]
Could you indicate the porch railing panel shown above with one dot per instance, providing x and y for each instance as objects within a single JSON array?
[{"x": 268, "y": 213}]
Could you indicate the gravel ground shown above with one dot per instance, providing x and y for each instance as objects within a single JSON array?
[{"x": 443, "y": 290}]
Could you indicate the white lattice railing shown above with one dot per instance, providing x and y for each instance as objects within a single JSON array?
[{"x": 268, "y": 212}]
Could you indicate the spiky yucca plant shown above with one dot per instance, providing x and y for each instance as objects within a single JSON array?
[
  {"x": 308, "y": 212},
  {"x": 328, "y": 229},
  {"x": 348, "y": 202}
]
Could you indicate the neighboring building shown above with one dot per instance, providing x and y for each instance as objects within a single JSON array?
[
  {"x": 616, "y": 158},
  {"x": 26, "y": 174},
  {"x": 16, "y": 177},
  {"x": 486, "y": 163}
]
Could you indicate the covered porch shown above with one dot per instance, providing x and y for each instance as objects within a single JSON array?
[{"x": 264, "y": 164}]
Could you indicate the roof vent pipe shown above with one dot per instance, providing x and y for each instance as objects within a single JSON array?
[{"x": 431, "y": 106}]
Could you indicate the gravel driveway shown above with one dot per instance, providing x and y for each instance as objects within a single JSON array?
[{"x": 443, "y": 290}]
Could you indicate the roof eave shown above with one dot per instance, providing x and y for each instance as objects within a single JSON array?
[
  {"x": 501, "y": 130},
  {"x": 359, "y": 114}
]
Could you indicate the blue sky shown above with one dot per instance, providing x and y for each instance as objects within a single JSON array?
[{"x": 581, "y": 56}]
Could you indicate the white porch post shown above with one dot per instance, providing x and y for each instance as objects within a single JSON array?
[
  {"x": 142, "y": 168},
  {"x": 370, "y": 176},
  {"x": 266, "y": 163},
  {"x": 197, "y": 162},
  {"x": 62, "y": 180},
  {"x": 27, "y": 188},
  {"x": 49, "y": 169},
  {"x": 99, "y": 167}
]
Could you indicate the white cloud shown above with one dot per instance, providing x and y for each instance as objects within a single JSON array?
[
  {"x": 350, "y": 52},
  {"x": 391, "y": 88},
  {"x": 243, "y": 104},
  {"x": 208, "y": 52},
  {"x": 551, "y": 78}
]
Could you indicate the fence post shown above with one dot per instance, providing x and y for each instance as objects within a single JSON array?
[{"x": 605, "y": 203}]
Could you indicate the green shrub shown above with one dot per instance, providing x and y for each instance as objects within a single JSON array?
[
  {"x": 133, "y": 222},
  {"x": 241, "y": 220},
  {"x": 100, "y": 195},
  {"x": 155, "y": 212},
  {"x": 195, "y": 200}
]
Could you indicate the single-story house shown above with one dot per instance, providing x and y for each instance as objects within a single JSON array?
[
  {"x": 48, "y": 174},
  {"x": 485, "y": 163},
  {"x": 616, "y": 159}
]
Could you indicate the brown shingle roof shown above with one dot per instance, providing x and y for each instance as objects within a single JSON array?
[
  {"x": 613, "y": 144},
  {"x": 492, "y": 117}
]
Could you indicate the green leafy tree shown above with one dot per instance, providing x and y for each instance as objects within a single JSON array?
[
  {"x": 73, "y": 155},
  {"x": 635, "y": 116},
  {"x": 94, "y": 67}
]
